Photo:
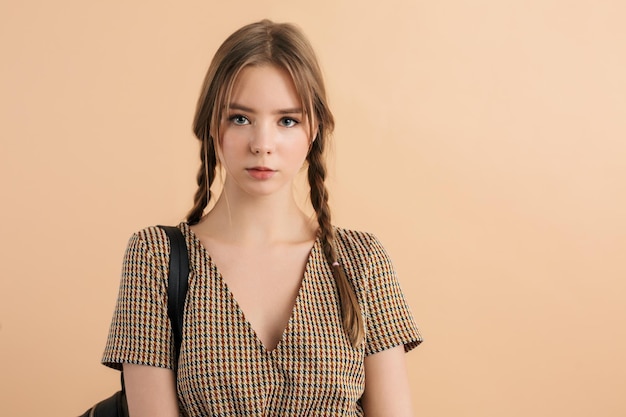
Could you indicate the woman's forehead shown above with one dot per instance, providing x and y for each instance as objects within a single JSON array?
[{"x": 265, "y": 87}]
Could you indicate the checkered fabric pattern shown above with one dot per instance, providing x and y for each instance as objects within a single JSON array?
[{"x": 224, "y": 369}]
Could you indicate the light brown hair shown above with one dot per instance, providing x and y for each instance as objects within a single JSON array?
[{"x": 285, "y": 46}]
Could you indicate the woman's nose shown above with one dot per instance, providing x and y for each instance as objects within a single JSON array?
[{"x": 263, "y": 140}]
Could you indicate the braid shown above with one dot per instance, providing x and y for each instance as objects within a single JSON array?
[
  {"x": 350, "y": 310},
  {"x": 203, "y": 193}
]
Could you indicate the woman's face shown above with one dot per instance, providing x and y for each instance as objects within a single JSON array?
[{"x": 264, "y": 135}]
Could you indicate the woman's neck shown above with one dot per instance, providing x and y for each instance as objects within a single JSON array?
[{"x": 257, "y": 220}]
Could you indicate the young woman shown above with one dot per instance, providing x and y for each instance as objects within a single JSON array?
[{"x": 285, "y": 315}]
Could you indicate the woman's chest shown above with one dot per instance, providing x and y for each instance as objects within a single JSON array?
[{"x": 223, "y": 357}]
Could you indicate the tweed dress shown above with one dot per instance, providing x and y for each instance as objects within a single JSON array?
[{"x": 224, "y": 369}]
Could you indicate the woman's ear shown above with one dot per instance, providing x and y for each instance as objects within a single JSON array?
[
  {"x": 315, "y": 134},
  {"x": 217, "y": 149},
  {"x": 313, "y": 139}
]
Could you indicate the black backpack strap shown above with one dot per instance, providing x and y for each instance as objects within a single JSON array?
[{"x": 177, "y": 283}]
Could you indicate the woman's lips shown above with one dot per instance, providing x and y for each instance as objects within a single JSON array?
[{"x": 261, "y": 173}]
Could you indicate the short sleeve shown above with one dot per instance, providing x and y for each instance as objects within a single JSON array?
[
  {"x": 389, "y": 320},
  {"x": 140, "y": 331}
]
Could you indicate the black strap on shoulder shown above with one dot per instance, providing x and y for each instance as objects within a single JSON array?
[{"x": 177, "y": 283}]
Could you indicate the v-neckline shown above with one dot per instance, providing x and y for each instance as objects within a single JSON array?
[{"x": 303, "y": 282}]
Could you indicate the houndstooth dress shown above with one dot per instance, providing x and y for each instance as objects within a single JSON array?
[{"x": 224, "y": 369}]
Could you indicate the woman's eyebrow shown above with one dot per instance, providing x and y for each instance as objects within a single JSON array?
[
  {"x": 237, "y": 106},
  {"x": 296, "y": 110}
]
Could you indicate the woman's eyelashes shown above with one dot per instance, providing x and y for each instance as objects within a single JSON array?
[
  {"x": 288, "y": 122},
  {"x": 241, "y": 120}
]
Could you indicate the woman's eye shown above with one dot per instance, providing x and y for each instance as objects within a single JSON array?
[
  {"x": 239, "y": 120},
  {"x": 288, "y": 122}
]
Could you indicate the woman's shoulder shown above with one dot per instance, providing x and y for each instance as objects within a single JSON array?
[
  {"x": 355, "y": 243},
  {"x": 149, "y": 234},
  {"x": 361, "y": 247},
  {"x": 152, "y": 239}
]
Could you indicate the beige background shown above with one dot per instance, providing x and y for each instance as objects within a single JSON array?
[{"x": 482, "y": 141}]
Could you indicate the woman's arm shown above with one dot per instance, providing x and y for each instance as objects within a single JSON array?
[
  {"x": 387, "y": 392},
  {"x": 150, "y": 391}
]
